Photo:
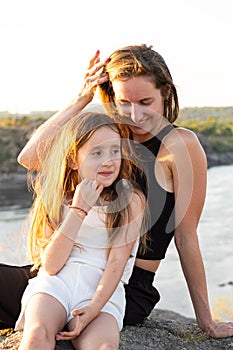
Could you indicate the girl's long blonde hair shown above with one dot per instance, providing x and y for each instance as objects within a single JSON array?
[{"x": 56, "y": 180}]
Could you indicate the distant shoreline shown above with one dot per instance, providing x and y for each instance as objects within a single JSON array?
[
  {"x": 13, "y": 180},
  {"x": 16, "y": 180},
  {"x": 218, "y": 159}
]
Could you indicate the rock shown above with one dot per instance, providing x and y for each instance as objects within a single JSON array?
[
  {"x": 215, "y": 159},
  {"x": 163, "y": 330},
  {"x": 13, "y": 181}
]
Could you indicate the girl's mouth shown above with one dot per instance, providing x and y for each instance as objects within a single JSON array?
[{"x": 105, "y": 173}]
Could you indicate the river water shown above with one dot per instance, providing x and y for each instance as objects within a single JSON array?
[{"x": 215, "y": 233}]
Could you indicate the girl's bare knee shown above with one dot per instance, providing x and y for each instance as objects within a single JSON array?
[
  {"x": 109, "y": 347},
  {"x": 36, "y": 337}
]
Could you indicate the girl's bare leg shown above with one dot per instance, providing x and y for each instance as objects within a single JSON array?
[
  {"x": 101, "y": 334},
  {"x": 44, "y": 318}
]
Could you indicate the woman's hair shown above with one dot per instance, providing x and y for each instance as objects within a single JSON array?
[
  {"x": 140, "y": 60},
  {"x": 56, "y": 180}
]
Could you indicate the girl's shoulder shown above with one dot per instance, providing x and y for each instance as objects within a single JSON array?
[{"x": 137, "y": 201}]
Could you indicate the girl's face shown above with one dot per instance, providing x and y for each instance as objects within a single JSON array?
[
  {"x": 142, "y": 104},
  {"x": 100, "y": 157}
]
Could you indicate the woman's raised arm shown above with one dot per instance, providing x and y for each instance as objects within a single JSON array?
[{"x": 32, "y": 154}]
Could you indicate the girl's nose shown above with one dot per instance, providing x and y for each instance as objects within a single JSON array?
[{"x": 107, "y": 161}]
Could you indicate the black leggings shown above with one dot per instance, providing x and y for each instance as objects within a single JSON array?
[
  {"x": 141, "y": 296},
  {"x": 13, "y": 281}
]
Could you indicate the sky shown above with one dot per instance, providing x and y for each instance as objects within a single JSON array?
[{"x": 45, "y": 47}]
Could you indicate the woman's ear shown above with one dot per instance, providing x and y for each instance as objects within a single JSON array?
[
  {"x": 72, "y": 161},
  {"x": 166, "y": 91}
]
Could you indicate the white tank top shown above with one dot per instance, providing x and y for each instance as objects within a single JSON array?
[{"x": 92, "y": 242}]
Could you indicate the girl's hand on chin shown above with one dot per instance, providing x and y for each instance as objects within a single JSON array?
[{"x": 86, "y": 194}]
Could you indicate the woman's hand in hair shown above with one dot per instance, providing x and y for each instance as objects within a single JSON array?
[
  {"x": 86, "y": 194},
  {"x": 94, "y": 76}
]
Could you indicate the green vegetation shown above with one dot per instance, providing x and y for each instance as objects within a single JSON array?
[
  {"x": 9, "y": 120},
  {"x": 214, "y": 123},
  {"x": 218, "y": 131},
  {"x": 222, "y": 113},
  {"x": 14, "y": 133}
]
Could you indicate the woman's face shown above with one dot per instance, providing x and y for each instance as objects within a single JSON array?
[
  {"x": 142, "y": 104},
  {"x": 100, "y": 157}
]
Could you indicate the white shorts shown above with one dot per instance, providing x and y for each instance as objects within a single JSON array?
[{"x": 74, "y": 287}]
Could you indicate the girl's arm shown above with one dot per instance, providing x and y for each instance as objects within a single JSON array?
[
  {"x": 59, "y": 248},
  {"x": 113, "y": 272},
  {"x": 32, "y": 154},
  {"x": 119, "y": 255}
]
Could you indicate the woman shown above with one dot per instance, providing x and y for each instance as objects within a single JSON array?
[
  {"x": 136, "y": 83},
  {"x": 85, "y": 227}
]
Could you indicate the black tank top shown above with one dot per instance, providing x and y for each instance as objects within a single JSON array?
[{"x": 161, "y": 203}]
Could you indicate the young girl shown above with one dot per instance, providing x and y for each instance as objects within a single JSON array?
[{"x": 86, "y": 221}]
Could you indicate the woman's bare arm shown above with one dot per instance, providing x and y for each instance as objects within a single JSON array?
[
  {"x": 32, "y": 154},
  {"x": 189, "y": 176}
]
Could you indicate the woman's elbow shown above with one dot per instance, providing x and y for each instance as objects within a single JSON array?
[
  {"x": 26, "y": 161},
  {"x": 184, "y": 239},
  {"x": 182, "y": 234},
  {"x": 178, "y": 242},
  {"x": 21, "y": 160}
]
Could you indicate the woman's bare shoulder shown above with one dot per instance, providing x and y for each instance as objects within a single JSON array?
[
  {"x": 186, "y": 135},
  {"x": 183, "y": 145},
  {"x": 182, "y": 137}
]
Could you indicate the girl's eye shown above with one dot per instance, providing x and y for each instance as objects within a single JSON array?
[
  {"x": 96, "y": 153},
  {"x": 116, "y": 151}
]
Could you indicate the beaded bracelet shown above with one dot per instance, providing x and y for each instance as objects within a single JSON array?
[{"x": 78, "y": 208}]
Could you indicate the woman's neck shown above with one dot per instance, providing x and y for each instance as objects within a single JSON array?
[{"x": 149, "y": 135}]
